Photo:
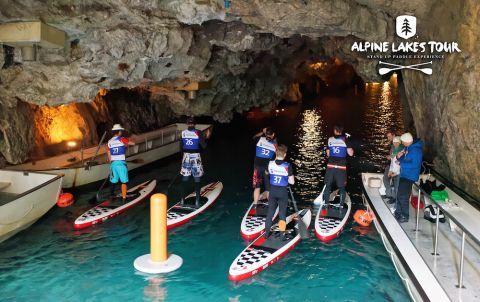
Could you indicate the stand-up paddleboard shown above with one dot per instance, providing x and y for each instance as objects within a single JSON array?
[
  {"x": 253, "y": 223},
  {"x": 180, "y": 214},
  {"x": 115, "y": 206},
  {"x": 331, "y": 219},
  {"x": 262, "y": 252}
]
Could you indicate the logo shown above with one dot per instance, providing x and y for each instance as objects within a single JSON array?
[{"x": 406, "y": 26}]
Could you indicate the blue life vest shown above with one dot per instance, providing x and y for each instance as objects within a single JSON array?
[
  {"x": 265, "y": 149},
  {"x": 190, "y": 140},
  {"x": 117, "y": 148},
  {"x": 278, "y": 174},
  {"x": 337, "y": 146}
]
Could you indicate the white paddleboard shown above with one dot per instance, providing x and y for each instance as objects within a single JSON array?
[
  {"x": 111, "y": 208},
  {"x": 253, "y": 223},
  {"x": 180, "y": 214},
  {"x": 262, "y": 252},
  {"x": 331, "y": 219}
]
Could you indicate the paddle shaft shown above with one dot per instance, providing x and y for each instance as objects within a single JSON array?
[{"x": 98, "y": 149}]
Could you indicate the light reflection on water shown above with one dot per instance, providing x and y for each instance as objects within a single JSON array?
[
  {"x": 310, "y": 156},
  {"x": 383, "y": 112}
]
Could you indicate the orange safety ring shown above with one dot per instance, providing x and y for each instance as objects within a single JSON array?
[
  {"x": 363, "y": 218},
  {"x": 65, "y": 200}
]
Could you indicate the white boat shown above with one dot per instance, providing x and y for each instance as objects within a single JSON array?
[
  {"x": 83, "y": 167},
  {"x": 24, "y": 198},
  {"x": 436, "y": 261}
]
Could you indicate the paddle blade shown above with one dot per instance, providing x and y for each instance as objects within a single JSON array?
[
  {"x": 383, "y": 71},
  {"x": 303, "y": 230}
]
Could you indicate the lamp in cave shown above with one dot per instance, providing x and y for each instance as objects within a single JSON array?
[{"x": 70, "y": 145}]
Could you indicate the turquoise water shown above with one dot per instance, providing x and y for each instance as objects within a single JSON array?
[{"x": 52, "y": 262}]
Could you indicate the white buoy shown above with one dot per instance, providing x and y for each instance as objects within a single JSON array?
[{"x": 158, "y": 261}]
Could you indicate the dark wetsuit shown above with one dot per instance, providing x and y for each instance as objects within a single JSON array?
[
  {"x": 278, "y": 192},
  {"x": 336, "y": 166}
]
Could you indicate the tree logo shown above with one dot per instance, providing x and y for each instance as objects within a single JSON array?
[{"x": 406, "y": 26}]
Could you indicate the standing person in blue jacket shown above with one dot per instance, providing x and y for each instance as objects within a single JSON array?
[
  {"x": 278, "y": 176},
  {"x": 410, "y": 165},
  {"x": 193, "y": 142},
  {"x": 264, "y": 152},
  {"x": 338, "y": 150}
]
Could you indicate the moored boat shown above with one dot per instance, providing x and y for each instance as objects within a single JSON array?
[
  {"x": 24, "y": 198},
  {"x": 87, "y": 166},
  {"x": 436, "y": 261}
]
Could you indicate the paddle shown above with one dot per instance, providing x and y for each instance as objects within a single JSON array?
[
  {"x": 319, "y": 199},
  {"x": 302, "y": 228}
]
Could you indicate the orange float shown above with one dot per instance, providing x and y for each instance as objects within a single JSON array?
[
  {"x": 65, "y": 200},
  {"x": 363, "y": 218}
]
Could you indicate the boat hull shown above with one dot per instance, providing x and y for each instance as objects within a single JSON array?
[{"x": 29, "y": 206}]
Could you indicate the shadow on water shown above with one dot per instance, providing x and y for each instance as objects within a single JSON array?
[{"x": 52, "y": 260}]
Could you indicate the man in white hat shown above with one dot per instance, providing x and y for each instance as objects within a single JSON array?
[
  {"x": 117, "y": 147},
  {"x": 410, "y": 165}
]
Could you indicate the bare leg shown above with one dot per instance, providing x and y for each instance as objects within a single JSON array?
[{"x": 256, "y": 195}]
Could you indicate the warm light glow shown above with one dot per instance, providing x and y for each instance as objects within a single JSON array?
[
  {"x": 318, "y": 65},
  {"x": 59, "y": 124},
  {"x": 71, "y": 144}
]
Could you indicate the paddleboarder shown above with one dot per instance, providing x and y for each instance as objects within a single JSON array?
[
  {"x": 193, "y": 142},
  {"x": 278, "y": 176},
  {"x": 338, "y": 150},
  {"x": 117, "y": 147},
  {"x": 265, "y": 148}
]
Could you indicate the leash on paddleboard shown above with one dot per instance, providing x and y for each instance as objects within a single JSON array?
[{"x": 302, "y": 228}]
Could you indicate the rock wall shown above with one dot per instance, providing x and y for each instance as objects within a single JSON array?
[{"x": 445, "y": 105}]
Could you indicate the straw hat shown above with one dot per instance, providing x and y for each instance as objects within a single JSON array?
[{"x": 117, "y": 127}]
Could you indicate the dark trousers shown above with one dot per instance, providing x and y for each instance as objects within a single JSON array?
[
  {"x": 276, "y": 199},
  {"x": 403, "y": 196},
  {"x": 337, "y": 176},
  {"x": 386, "y": 182}
]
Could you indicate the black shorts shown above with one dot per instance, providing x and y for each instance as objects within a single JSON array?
[{"x": 336, "y": 176}]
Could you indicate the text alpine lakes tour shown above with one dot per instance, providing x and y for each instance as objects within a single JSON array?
[{"x": 433, "y": 46}]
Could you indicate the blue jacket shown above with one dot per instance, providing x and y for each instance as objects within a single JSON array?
[{"x": 411, "y": 161}]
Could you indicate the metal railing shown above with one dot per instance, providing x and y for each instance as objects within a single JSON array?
[{"x": 464, "y": 230}]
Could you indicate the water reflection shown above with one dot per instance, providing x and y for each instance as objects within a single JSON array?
[
  {"x": 383, "y": 112},
  {"x": 154, "y": 291},
  {"x": 310, "y": 156}
]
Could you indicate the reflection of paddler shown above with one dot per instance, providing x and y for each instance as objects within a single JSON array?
[
  {"x": 117, "y": 148},
  {"x": 153, "y": 291}
]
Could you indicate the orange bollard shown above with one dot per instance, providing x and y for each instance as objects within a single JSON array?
[
  {"x": 158, "y": 227},
  {"x": 158, "y": 261}
]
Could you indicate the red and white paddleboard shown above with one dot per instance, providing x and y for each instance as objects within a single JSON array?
[
  {"x": 180, "y": 214},
  {"x": 331, "y": 219},
  {"x": 109, "y": 208},
  {"x": 253, "y": 223},
  {"x": 262, "y": 252}
]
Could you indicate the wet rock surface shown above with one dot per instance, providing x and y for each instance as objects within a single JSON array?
[{"x": 252, "y": 55}]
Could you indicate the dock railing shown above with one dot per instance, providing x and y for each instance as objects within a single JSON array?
[{"x": 465, "y": 231}]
